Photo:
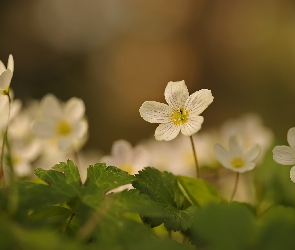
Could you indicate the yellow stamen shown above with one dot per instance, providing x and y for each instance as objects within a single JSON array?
[
  {"x": 63, "y": 128},
  {"x": 179, "y": 116},
  {"x": 127, "y": 167},
  {"x": 237, "y": 162}
]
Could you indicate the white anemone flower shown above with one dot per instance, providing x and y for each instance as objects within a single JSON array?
[
  {"x": 237, "y": 158},
  {"x": 285, "y": 155},
  {"x": 181, "y": 114},
  {"x": 63, "y": 122},
  {"x": 127, "y": 158},
  {"x": 6, "y": 75}
]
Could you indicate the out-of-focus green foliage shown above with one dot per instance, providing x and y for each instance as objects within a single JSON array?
[{"x": 58, "y": 211}]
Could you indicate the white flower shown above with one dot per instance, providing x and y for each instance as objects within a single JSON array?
[
  {"x": 285, "y": 155},
  {"x": 181, "y": 113},
  {"x": 292, "y": 174},
  {"x": 6, "y": 75},
  {"x": 127, "y": 158},
  {"x": 237, "y": 158},
  {"x": 250, "y": 126},
  {"x": 63, "y": 122}
]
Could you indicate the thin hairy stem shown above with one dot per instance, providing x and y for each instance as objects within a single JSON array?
[
  {"x": 195, "y": 156},
  {"x": 235, "y": 187}
]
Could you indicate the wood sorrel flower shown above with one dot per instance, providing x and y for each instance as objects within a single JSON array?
[
  {"x": 237, "y": 158},
  {"x": 181, "y": 114},
  {"x": 6, "y": 75},
  {"x": 66, "y": 123},
  {"x": 285, "y": 155}
]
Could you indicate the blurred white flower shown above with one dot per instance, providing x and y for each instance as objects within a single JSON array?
[
  {"x": 181, "y": 113},
  {"x": 250, "y": 127},
  {"x": 285, "y": 155},
  {"x": 177, "y": 157},
  {"x": 292, "y": 174},
  {"x": 127, "y": 158},
  {"x": 238, "y": 158},
  {"x": 6, "y": 75},
  {"x": 64, "y": 123},
  {"x": 85, "y": 159},
  {"x": 4, "y": 109}
]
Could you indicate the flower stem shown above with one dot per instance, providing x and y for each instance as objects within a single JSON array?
[
  {"x": 3, "y": 145},
  {"x": 195, "y": 156},
  {"x": 235, "y": 187}
]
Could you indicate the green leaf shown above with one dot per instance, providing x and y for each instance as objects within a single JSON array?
[
  {"x": 159, "y": 186},
  {"x": 224, "y": 226},
  {"x": 198, "y": 191},
  {"x": 276, "y": 229},
  {"x": 162, "y": 188},
  {"x": 48, "y": 212}
]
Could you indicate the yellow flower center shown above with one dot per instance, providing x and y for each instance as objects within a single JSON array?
[
  {"x": 127, "y": 167},
  {"x": 63, "y": 128},
  {"x": 179, "y": 116},
  {"x": 6, "y": 91},
  {"x": 237, "y": 162}
]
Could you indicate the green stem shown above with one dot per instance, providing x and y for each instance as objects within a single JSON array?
[
  {"x": 195, "y": 156},
  {"x": 235, "y": 187},
  {"x": 69, "y": 222}
]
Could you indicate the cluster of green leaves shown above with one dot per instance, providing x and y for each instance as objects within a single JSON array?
[{"x": 57, "y": 211}]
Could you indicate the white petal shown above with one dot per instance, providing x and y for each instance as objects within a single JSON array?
[
  {"x": 176, "y": 94},
  {"x": 80, "y": 129},
  {"x": 248, "y": 166},
  {"x": 65, "y": 143},
  {"x": 155, "y": 112},
  {"x": 193, "y": 125},
  {"x": 75, "y": 109},
  {"x": 284, "y": 155},
  {"x": 221, "y": 155},
  {"x": 2, "y": 67},
  {"x": 235, "y": 147},
  {"x": 5, "y": 79},
  {"x": 122, "y": 152},
  {"x": 292, "y": 174},
  {"x": 51, "y": 107},
  {"x": 167, "y": 131},
  {"x": 199, "y": 101},
  {"x": 10, "y": 64},
  {"x": 291, "y": 137},
  {"x": 253, "y": 153},
  {"x": 43, "y": 129}
]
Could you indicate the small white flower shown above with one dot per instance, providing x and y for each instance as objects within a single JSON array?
[
  {"x": 292, "y": 174},
  {"x": 127, "y": 158},
  {"x": 285, "y": 155},
  {"x": 181, "y": 114},
  {"x": 6, "y": 75},
  {"x": 65, "y": 123},
  {"x": 237, "y": 158}
]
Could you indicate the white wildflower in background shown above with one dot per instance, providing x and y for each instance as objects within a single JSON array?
[
  {"x": 64, "y": 123},
  {"x": 127, "y": 158},
  {"x": 250, "y": 127},
  {"x": 237, "y": 158},
  {"x": 15, "y": 107},
  {"x": 292, "y": 174},
  {"x": 181, "y": 114},
  {"x": 285, "y": 155},
  {"x": 6, "y": 75}
]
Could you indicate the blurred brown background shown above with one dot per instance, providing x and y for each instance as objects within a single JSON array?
[{"x": 117, "y": 54}]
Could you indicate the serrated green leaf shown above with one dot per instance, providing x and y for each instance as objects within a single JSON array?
[
  {"x": 159, "y": 186},
  {"x": 48, "y": 212},
  {"x": 198, "y": 191}
]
